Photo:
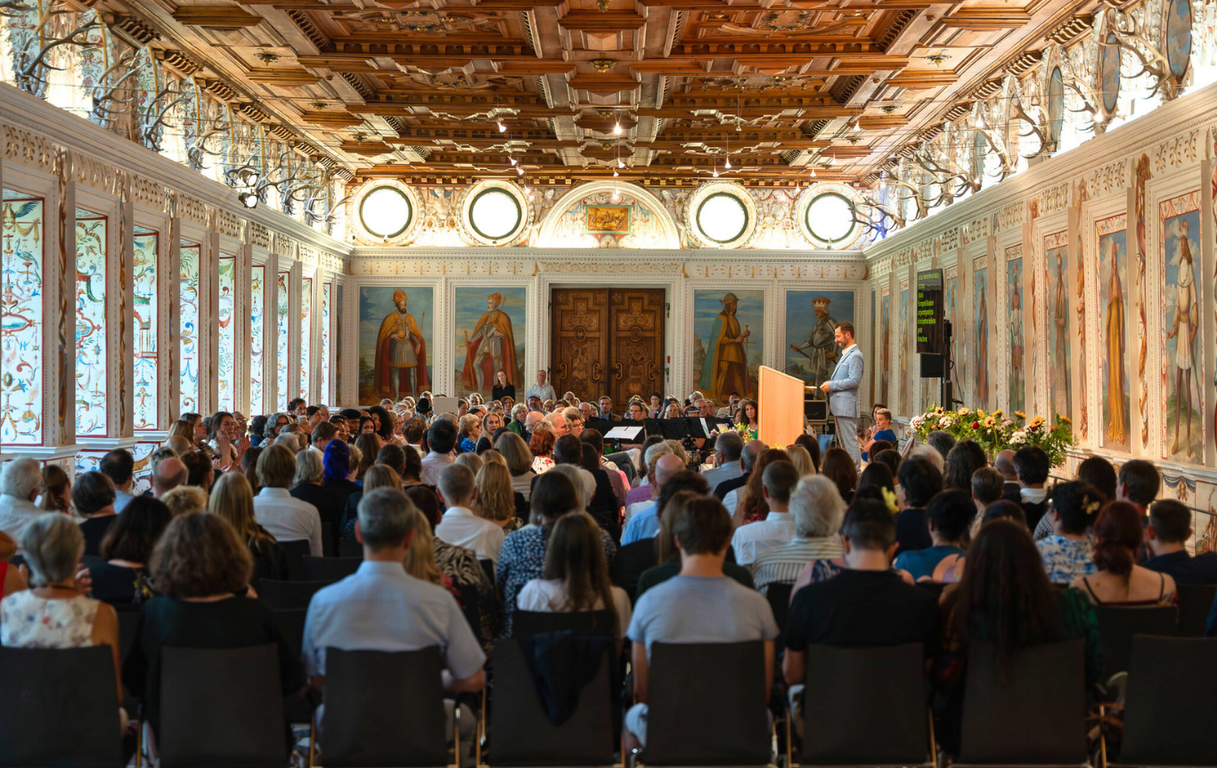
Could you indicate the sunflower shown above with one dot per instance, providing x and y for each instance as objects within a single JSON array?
[{"x": 990, "y": 422}]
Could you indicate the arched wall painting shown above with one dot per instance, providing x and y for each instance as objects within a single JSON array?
[
  {"x": 1056, "y": 106},
  {"x": 1056, "y": 258},
  {"x": 490, "y": 326},
  {"x": 728, "y": 342},
  {"x": 1112, "y": 235},
  {"x": 1178, "y": 28},
  {"x": 1183, "y": 358},
  {"x": 396, "y": 334},
  {"x": 608, "y": 219},
  {"x": 811, "y": 320}
]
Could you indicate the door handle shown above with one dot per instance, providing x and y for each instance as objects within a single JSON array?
[
  {"x": 618, "y": 368},
  {"x": 597, "y": 368}
]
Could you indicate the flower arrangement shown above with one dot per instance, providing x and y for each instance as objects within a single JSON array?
[
  {"x": 743, "y": 430},
  {"x": 995, "y": 432}
]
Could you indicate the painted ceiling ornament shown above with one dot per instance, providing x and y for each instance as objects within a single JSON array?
[
  {"x": 1105, "y": 69},
  {"x": 1052, "y": 97}
]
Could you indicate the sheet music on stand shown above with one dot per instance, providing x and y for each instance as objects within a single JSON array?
[{"x": 629, "y": 433}]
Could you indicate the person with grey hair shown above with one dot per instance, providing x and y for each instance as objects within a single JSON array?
[
  {"x": 460, "y": 526},
  {"x": 941, "y": 442},
  {"x": 727, "y": 449},
  {"x": 817, "y": 508},
  {"x": 748, "y": 456},
  {"x": 749, "y": 541},
  {"x": 168, "y": 474},
  {"x": 382, "y": 608},
  {"x": 55, "y": 612},
  {"x": 930, "y": 454},
  {"x": 20, "y": 480},
  {"x": 641, "y": 497}
]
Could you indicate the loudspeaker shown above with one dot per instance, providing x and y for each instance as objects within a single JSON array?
[{"x": 932, "y": 366}]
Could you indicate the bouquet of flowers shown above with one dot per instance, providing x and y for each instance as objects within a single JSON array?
[
  {"x": 1055, "y": 440},
  {"x": 995, "y": 432},
  {"x": 743, "y": 430}
]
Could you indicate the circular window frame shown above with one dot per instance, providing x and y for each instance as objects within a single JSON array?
[
  {"x": 803, "y": 210},
  {"x": 714, "y": 189},
  {"x": 517, "y": 233},
  {"x": 494, "y": 191},
  {"x": 403, "y": 235}
]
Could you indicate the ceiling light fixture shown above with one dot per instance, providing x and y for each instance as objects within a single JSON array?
[
  {"x": 727, "y": 165},
  {"x": 519, "y": 170},
  {"x": 715, "y": 174},
  {"x": 512, "y": 160},
  {"x": 248, "y": 199},
  {"x": 502, "y": 128},
  {"x": 615, "y": 174},
  {"x": 620, "y": 163}
]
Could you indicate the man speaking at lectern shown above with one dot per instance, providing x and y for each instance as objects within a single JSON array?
[{"x": 842, "y": 389}]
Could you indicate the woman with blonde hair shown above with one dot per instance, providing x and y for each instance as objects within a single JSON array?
[
  {"x": 56, "y": 492},
  {"x": 420, "y": 560},
  {"x": 232, "y": 499},
  {"x": 801, "y": 460},
  {"x": 470, "y": 460},
  {"x": 515, "y": 452},
  {"x": 496, "y": 500}
]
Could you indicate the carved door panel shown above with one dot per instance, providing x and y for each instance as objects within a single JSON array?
[
  {"x": 580, "y": 343},
  {"x": 636, "y": 347}
]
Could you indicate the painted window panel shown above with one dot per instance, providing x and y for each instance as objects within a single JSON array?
[
  {"x": 284, "y": 338},
  {"x": 226, "y": 318},
  {"x": 90, "y": 324},
  {"x": 21, "y": 319},
  {"x": 257, "y": 329},
  {"x": 306, "y": 338},
  {"x": 189, "y": 326},
  {"x": 146, "y": 330},
  {"x": 324, "y": 392},
  {"x": 338, "y": 351}
]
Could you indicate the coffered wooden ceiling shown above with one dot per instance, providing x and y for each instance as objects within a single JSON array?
[{"x": 416, "y": 90}]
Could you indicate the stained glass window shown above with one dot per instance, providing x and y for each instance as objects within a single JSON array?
[
  {"x": 324, "y": 392},
  {"x": 189, "y": 324},
  {"x": 226, "y": 317},
  {"x": 21, "y": 320},
  {"x": 284, "y": 338},
  {"x": 147, "y": 387},
  {"x": 306, "y": 337},
  {"x": 257, "y": 329},
  {"x": 90, "y": 324}
]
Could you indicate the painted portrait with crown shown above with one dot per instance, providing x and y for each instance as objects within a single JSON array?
[
  {"x": 811, "y": 318},
  {"x": 490, "y": 334}
]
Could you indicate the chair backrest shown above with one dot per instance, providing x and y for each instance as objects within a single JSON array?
[
  {"x": 487, "y": 568},
  {"x": 281, "y": 595},
  {"x": 328, "y": 568},
  {"x": 707, "y": 705},
  {"x": 384, "y": 708},
  {"x": 350, "y": 548},
  {"x": 522, "y": 733},
  {"x": 1117, "y": 626},
  {"x": 935, "y": 588},
  {"x": 586, "y": 623},
  {"x": 221, "y": 706},
  {"x": 128, "y": 626},
  {"x": 1170, "y": 703},
  {"x": 1041, "y": 691},
  {"x": 59, "y": 708},
  {"x": 865, "y": 706},
  {"x": 778, "y": 595},
  {"x": 327, "y": 539},
  {"x": 295, "y": 551},
  {"x": 290, "y": 623},
  {"x": 1195, "y": 603}
]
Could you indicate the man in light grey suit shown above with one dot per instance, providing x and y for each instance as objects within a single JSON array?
[{"x": 842, "y": 389}]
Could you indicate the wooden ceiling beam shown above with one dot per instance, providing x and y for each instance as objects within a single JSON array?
[
  {"x": 803, "y": 113},
  {"x": 388, "y": 37},
  {"x": 987, "y": 18},
  {"x": 609, "y": 21},
  {"x": 460, "y": 110},
  {"x": 365, "y": 63}
]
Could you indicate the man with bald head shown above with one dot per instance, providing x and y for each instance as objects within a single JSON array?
[
  {"x": 1004, "y": 463},
  {"x": 532, "y": 420},
  {"x": 748, "y": 457},
  {"x": 645, "y": 524},
  {"x": 168, "y": 474},
  {"x": 179, "y": 444},
  {"x": 558, "y": 420}
]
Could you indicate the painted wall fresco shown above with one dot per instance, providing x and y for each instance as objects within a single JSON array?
[
  {"x": 91, "y": 368},
  {"x": 1113, "y": 258},
  {"x": 811, "y": 318},
  {"x": 257, "y": 339},
  {"x": 226, "y": 317},
  {"x": 396, "y": 335},
  {"x": 959, "y": 355},
  {"x": 491, "y": 328},
  {"x": 980, "y": 322},
  {"x": 885, "y": 348},
  {"x": 306, "y": 339},
  {"x": 323, "y": 392},
  {"x": 1183, "y": 373},
  {"x": 282, "y": 334},
  {"x": 728, "y": 342},
  {"x": 340, "y": 297},
  {"x": 1017, "y": 383},
  {"x": 902, "y": 351},
  {"x": 146, "y": 328},
  {"x": 585, "y": 224},
  {"x": 1056, "y": 267},
  {"x": 21, "y": 319},
  {"x": 188, "y": 285}
]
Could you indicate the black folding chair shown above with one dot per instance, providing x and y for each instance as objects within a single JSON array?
[
  {"x": 384, "y": 709},
  {"x": 44, "y": 689},
  {"x": 327, "y": 540},
  {"x": 128, "y": 625},
  {"x": 295, "y": 551},
  {"x": 522, "y": 734},
  {"x": 1195, "y": 603},
  {"x": 1170, "y": 704},
  {"x": 778, "y": 595},
  {"x": 707, "y": 705},
  {"x": 290, "y": 623},
  {"x": 587, "y": 623},
  {"x": 1029, "y": 712},
  {"x": 281, "y": 595},
  {"x": 866, "y": 707},
  {"x": 329, "y": 569},
  {"x": 222, "y": 706},
  {"x": 1117, "y": 626},
  {"x": 350, "y": 548},
  {"x": 488, "y": 568}
]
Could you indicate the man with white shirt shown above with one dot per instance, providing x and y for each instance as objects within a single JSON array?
[
  {"x": 20, "y": 480},
  {"x": 727, "y": 449},
  {"x": 119, "y": 466},
  {"x": 459, "y": 526},
  {"x": 541, "y": 390},
  {"x": 275, "y": 509},
  {"x": 441, "y": 438},
  {"x": 323, "y": 434},
  {"x": 750, "y": 540},
  {"x": 816, "y": 509}
]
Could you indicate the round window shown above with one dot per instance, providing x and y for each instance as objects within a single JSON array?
[
  {"x": 830, "y": 217},
  {"x": 495, "y": 214},
  {"x": 722, "y": 218},
  {"x": 385, "y": 212}
]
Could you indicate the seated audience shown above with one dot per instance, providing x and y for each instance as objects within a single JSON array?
[
  {"x": 988, "y": 487},
  {"x": 778, "y": 479},
  {"x": 199, "y": 471},
  {"x": 168, "y": 474},
  {"x": 748, "y": 457},
  {"x": 801, "y": 460},
  {"x": 949, "y": 517},
  {"x": 420, "y": 557},
  {"x": 1118, "y": 580},
  {"x": 461, "y": 526},
  {"x": 644, "y": 524},
  {"x": 576, "y": 575},
  {"x": 816, "y": 507},
  {"x": 55, "y": 612},
  {"x": 119, "y": 466},
  {"x": 962, "y": 462},
  {"x": 882, "y": 432},
  {"x": 892, "y": 459},
  {"x": 727, "y": 449},
  {"x": 470, "y": 427},
  {"x": 496, "y": 501},
  {"x": 470, "y": 461},
  {"x": 1094, "y": 470},
  {"x": 249, "y": 467},
  {"x": 93, "y": 498},
  {"x": 1005, "y": 598},
  {"x": 541, "y": 446},
  {"x": 1004, "y": 463},
  {"x": 920, "y": 481},
  {"x": 123, "y": 579},
  {"x": 233, "y": 500},
  {"x": 519, "y": 462},
  {"x": 942, "y": 442},
  {"x": 1067, "y": 552},
  {"x": 840, "y": 469},
  {"x": 1004, "y": 509},
  {"x": 877, "y": 475},
  {"x": 747, "y": 504},
  {"x": 1032, "y": 466},
  {"x": 1138, "y": 484},
  {"x": 640, "y": 497},
  {"x": 1170, "y": 526},
  {"x": 202, "y": 571},
  {"x": 699, "y": 605},
  {"x": 363, "y": 456},
  {"x": 603, "y": 504},
  {"x": 20, "y": 480},
  {"x": 185, "y": 498},
  {"x": 284, "y": 517},
  {"x": 55, "y": 493},
  {"x": 441, "y": 438},
  {"x": 322, "y": 435}
]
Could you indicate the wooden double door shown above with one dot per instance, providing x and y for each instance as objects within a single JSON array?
[{"x": 607, "y": 341}]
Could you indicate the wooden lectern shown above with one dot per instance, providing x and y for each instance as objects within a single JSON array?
[{"x": 781, "y": 407}]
